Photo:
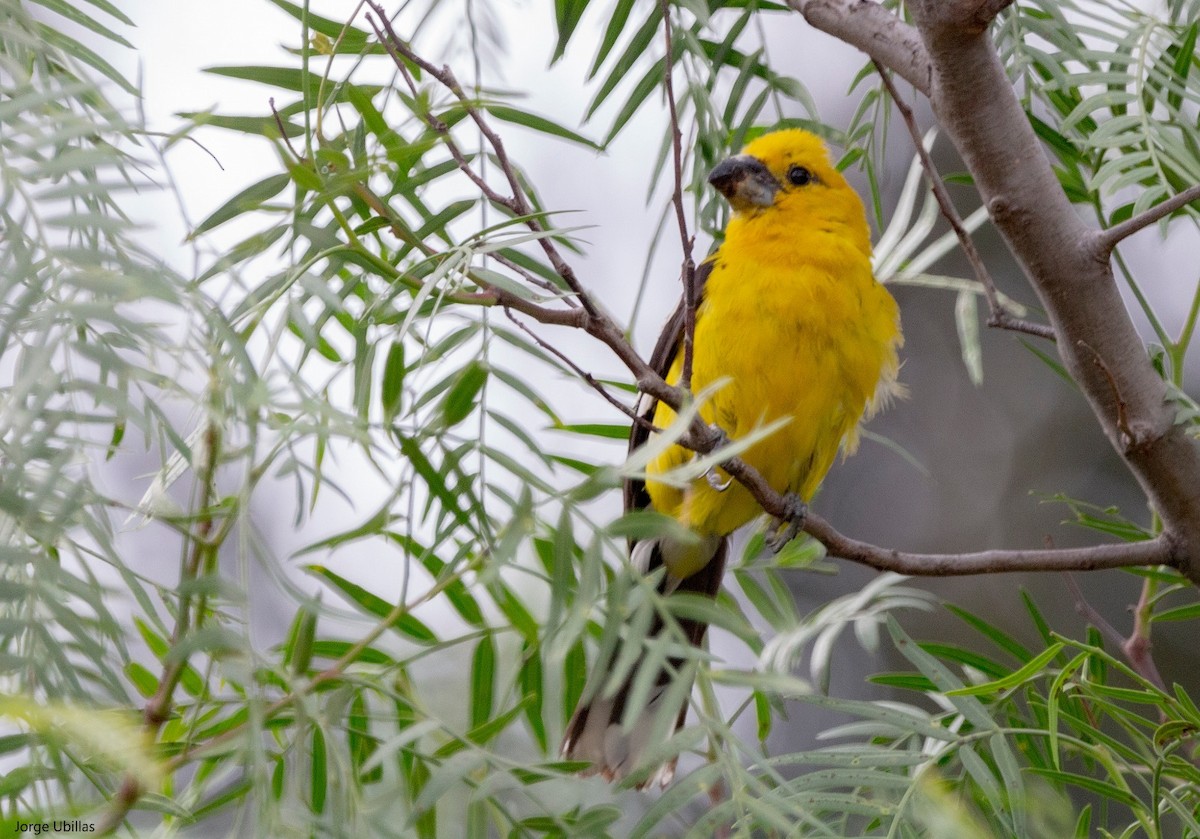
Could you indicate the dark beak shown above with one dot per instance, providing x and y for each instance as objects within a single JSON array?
[{"x": 745, "y": 181}]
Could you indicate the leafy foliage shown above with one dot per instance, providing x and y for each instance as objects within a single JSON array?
[{"x": 342, "y": 348}]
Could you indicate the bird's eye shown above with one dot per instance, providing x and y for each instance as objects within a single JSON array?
[{"x": 799, "y": 176}]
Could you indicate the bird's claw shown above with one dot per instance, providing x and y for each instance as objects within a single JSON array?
[
  {"x": 789, "y": 525},
  {"x": 717, "y": 438},
  {"x": 714, "y": 480}
]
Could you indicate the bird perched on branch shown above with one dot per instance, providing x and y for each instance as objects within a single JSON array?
[{"x": 791, "y": 318}]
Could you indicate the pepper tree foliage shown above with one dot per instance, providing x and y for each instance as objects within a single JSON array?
[{"x": 338, "y": 356}]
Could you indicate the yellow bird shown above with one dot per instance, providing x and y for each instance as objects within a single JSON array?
[{"x": 792, "y": 318}]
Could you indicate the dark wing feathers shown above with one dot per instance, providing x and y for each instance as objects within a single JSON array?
[{"x": 636, "y": 496}]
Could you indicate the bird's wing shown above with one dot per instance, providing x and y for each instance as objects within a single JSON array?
[{"x": 669, "y": 342}]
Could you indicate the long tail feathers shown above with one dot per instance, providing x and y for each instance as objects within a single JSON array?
[{"x": 614, "y": 739}]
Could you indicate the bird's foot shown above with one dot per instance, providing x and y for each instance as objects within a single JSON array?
[{"x": 789, "y": 525}]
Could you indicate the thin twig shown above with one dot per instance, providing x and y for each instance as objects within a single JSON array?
[
  {"x": 999, "y": 316},
  {"x": 1137, "y": 646},
  {"x": 583, "y": 374},
  {"x": 283, "y": 135},
  {"x": 530, "y": 278},
  {"x": 518, "y": 202},
  {"x": 1108, "y": 239},
  {"x": 688, "y": 272},
  {"x": 1089, "y": 613}
]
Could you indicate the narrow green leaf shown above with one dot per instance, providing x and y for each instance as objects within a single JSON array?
[
  {"x": 574, "y": 678},
  {"x": 763, "y": 714},
  {"x": 287, "y": 78},
  {"x": 616, "y": 25},
  {"x": 360, "y": 742},
  {"x": 1182, "y": 66},
  {"x": 542, "y": 125},
  {"x": 353, "y": 39},
  {"x": 533, "y": 687},
  {"x": 609, "y": 431},
  {"x": 460, "y": 399},
  {"x": 259, "y": 126},
  {"x": 483, "y": 680},
  {"x": 72, "y": 13},
  {"x": 634, "y": 50},
  {"x": 996, "y": 635},
  {"x": 1031, "y": 670},
  {"x": 566, "y": 16},
  {"x": 319, "y": 772},
  {"x": 405, "y": 624},
  {"x": 1095, "y": 785},
  {"x": 250, "y": 198},
  {"x": 433, "y": 479},
  {"x": 392, "y": 389},
  {"x": 1179, "y": 613},
  {"x": 55, "y": 38}
]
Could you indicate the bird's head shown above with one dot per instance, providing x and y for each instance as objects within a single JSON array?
[{"x": 789, "y": 174}]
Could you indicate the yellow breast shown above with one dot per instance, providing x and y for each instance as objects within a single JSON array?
[{"x": 797, "y": 323}]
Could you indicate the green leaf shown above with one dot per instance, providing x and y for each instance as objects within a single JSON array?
[
  {"x": 566, "y": 16},
  {"x": 996, "y": 635},
  {"x": 1095, "y": 785},
  {"x": 287, "y": 78},
  {"x": 72, "y": 13},
  {"x": 460, "y": 399},
  {"x": 361, "y": 744},
  {"x": 616, "y": 25},
  {"x": 483, "y": 680},
  {"x": 1179, "y": 613},
  {"x": 648, "y": 524},
  {"x": 1031, "y": 670},
  {"x": 542, "y": 125},
  {"x": 391, "y": 391},
  {"x": 405, "y": 624},
  {"x": 250, "y": 198},
  {"x": 319, "y": 772},
  {"x": 260, "y": 126},
  {"x": 353, "y": 39},
  {"x": 1184, "y": 55},
  {"x": 53, "y": 37},
  {"x": 618, "y": 431},
  {"x": 634, "y": 50},
  {"x": 533, "y": 687}
]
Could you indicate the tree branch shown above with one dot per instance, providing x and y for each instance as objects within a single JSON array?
[
  {"x": 1154, "y": 552},
  {"x": 1108, "y": 239},
  {"x": 999, "y": 316},
  {"x": 201, "y": 552},
  {"x": 874, "y": 30},
  {"x": 706, "y": 439},
  {"x": 974, "y": 102}
]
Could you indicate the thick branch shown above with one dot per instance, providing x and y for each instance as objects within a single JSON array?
[
  {"x": 1108, "y": 239},
  {"x": 874, "y": 30}
]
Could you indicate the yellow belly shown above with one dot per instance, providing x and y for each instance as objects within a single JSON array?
[{"x": 800, "y": 343}]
